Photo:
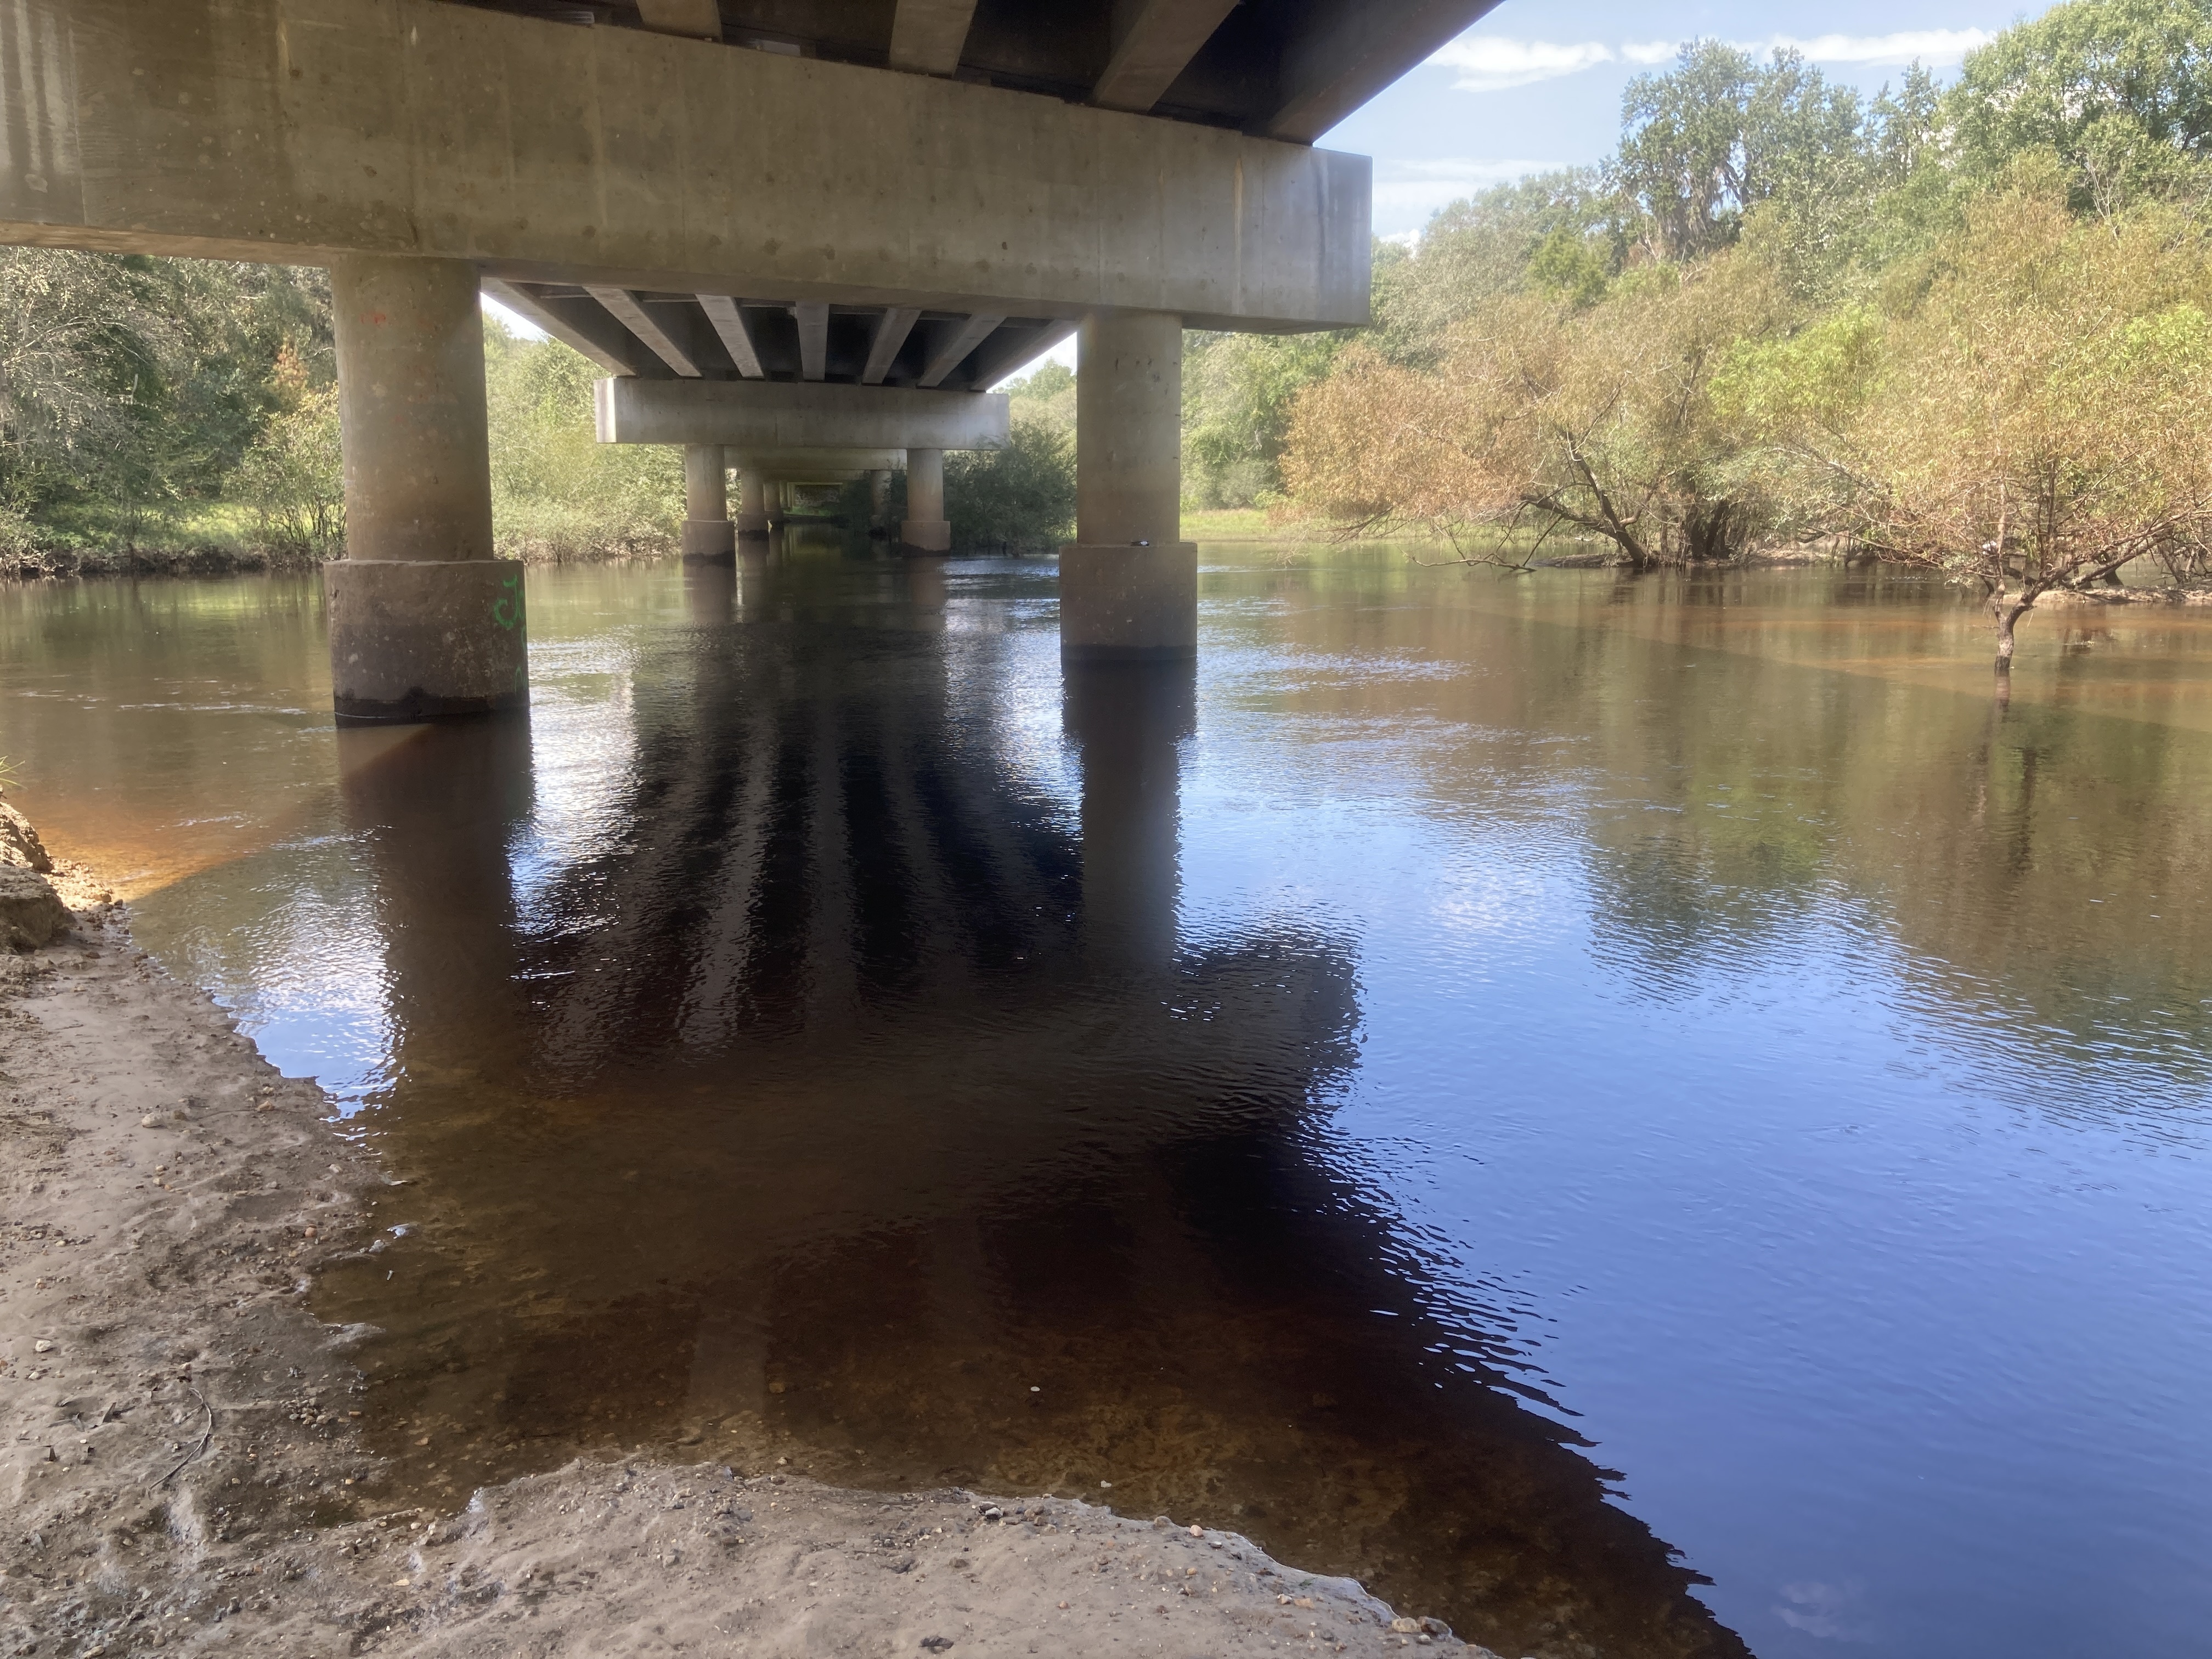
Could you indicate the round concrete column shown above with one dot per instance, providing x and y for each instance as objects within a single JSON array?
[
  {"x": 708, "y": 532},
  {"x": 1129, "y": 585},
  {"x": 925, "y": 529},
  {"x": 752, "y": 501},
  {"x": 424, "y": 621}
]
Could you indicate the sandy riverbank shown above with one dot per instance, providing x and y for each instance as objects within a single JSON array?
[{"x": 181, "y": 1465}]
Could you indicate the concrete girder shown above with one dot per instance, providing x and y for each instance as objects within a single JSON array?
[
  {"x": 1351, "y": 53},
  {"x": 891, "y": 330},
  {"x": 812, "y": 317},
  {"x": 729, "y": 324},
  {"x": 1011, "y": 348},
  {"x": 750, "y": 415},
  {"x": 1289, "y": 68},
  {"x": 1154, "y": 41},
  {"x": 700, "y": 19},
  {"x": 623, "y": 305},
  {"x": 525, "y": 304},
  {"x": 302, "y": 130},
  {"x": 953, "y": 349},
  {"x": 926, "y": 35}
]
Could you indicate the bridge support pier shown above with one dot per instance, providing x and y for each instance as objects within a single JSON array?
[
  {"x": 925, "y": 529},
  {"x": 709, "y": 535},
  {"x": 424, "y": 621},
  {"x": 1128, "y": 586}
]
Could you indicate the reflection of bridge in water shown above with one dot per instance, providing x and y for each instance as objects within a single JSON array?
[{"x": 830, "y": 1095}]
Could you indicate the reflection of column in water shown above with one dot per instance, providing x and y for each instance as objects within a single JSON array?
[
  {"x": 710, "y": 593},
  {"x": 1127, "y": 722},
  {"x": 925, "y": 592},
  {"x": 437, "y": 806}
]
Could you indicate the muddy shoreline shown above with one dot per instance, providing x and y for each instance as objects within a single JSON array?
[{"x": 185, "y": 1466}]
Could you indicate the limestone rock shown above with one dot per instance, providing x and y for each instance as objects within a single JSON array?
[
  {"x": 19, "y": 842},
  {"x": 31, "y": 912}
]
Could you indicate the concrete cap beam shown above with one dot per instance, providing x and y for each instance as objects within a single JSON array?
[
  {"x": 297, "y": 131},
  {"x": 772, "y": 414}
]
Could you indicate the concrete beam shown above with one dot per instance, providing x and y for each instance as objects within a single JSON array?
[
  {"x": 760, "y": 416},
  {"x": 622, "y": 304},
  {"x": 700, "y": 19},
  {"x": 952, "y": 351},
  {"x": 813, "y": 320},
  {"x": 730, "y": 324},
  {"x": 1153, "y": 41},
  {"x": 1350, "y": 52},
  {"x": 928, "y": 35},
  {"x": 301, "y": 131},
  {"x": 526, "y": 305},
  {"x": 1003, "y": 356},
  {"x": 891, "y": 330}
]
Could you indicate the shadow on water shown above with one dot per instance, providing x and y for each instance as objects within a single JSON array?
[{"x": 842, "y": 1101}]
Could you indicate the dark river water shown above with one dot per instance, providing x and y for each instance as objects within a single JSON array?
[{"x": 1645, "y": 1118}]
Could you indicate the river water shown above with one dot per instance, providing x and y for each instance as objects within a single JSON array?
[{"x": 1644, "y": 1117}]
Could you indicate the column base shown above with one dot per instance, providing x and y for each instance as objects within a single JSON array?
[
  {"x": 1128, "y": 603},
  {"x": 709, "y": 541},
  {"x": 926, "y": 535},
  {"x": 422, "y": 639},
  {"x": 752, "y": 525}
]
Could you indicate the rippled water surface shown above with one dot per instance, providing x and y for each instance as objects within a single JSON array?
[{"x": 1647, "y": 1118}]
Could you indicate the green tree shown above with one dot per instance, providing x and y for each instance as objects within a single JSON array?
[
  {"x": 2120, "y": 90},
  {"x": 2035, "y": 419},
  {"x": 1597, "y": 421},
  {"x": 293, "y": 474},
  {"x": 1237, "y": 393},
  {"x": 1017, "y": 499},
  {"x": 556, "y": 491}
]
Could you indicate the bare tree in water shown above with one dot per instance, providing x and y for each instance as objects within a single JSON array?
[{"x": 2038, "y": 419}]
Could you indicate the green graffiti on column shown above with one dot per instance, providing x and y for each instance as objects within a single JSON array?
[{"x": 507, "y": 609}]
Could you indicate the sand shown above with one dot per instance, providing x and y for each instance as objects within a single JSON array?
[{"x": 181, "y": 1467}]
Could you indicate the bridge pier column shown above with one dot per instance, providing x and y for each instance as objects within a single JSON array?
[
  {"x": 709, "y": 535},
  {"x": 1128, "y": 586},
  {"x": 925, "y": 530},
  {"x": 424, "y": 621},
  {"x": 752, "y": 501}
]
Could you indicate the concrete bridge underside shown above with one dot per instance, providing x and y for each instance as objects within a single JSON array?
[{"x": 884, "y": 198}]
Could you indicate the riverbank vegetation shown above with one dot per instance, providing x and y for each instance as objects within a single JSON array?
[{"x": 1962, "y": 329}]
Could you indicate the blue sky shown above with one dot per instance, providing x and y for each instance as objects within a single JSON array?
[{"x": 1533, "y": 86}]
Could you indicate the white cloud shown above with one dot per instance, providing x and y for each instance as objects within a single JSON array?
[
  {"x": 1492, "y": 63},
  {"x": 1936, "y": 48},
  {"x": 1411, "y": 190}
]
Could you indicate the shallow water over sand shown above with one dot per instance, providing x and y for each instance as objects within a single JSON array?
[{"x": 1481, "y": 1084}]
